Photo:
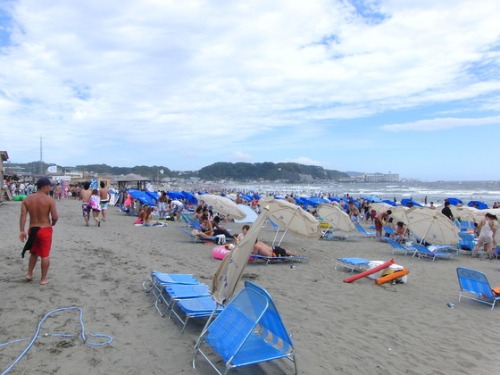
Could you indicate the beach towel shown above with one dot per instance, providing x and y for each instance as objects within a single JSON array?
[{"x": 31, "y": 238}]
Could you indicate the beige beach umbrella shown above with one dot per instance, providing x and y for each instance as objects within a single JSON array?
[
  {"x": 464, "y": 213},
  {"x": 399, "y": 214},
  {"x": 291, "y": 217},
  {"x": 432, "y": 226},
  {"x": 223, "y": 205},
  {"x": 380, "y": 206},
  {"x": 230, "y": 270},
  {"x": 338, "y": 219}
]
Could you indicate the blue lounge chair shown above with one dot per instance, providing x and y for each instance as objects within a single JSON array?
[
  {"x": 193, "y": 308},
  {"x": 363, "y": 231},
  {"x": 283, "y": 259},
  {"x": 467, "y": 241},
  {"x": 353, "y": 264},
  {"x": 247, "y": 332},
  {"x": 156, "y": 281},
  {"x": 171, "y": 293},
  {"x": 396, "y": 246},
  {"x": 195, "y": 238},
  {"x": 423, "y": 252},
  {"x": 474, "y": 285}
]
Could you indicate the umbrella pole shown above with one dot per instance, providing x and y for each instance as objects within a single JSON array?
[{"x": 281, "y": 239}]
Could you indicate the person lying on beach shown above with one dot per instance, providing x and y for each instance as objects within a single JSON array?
[{"x": 264, "y": 249}]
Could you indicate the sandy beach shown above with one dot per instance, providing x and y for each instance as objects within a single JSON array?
[{"x": 337, "y": 328}]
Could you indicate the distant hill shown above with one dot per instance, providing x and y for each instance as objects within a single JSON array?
[{"x": 285, "y": 172}]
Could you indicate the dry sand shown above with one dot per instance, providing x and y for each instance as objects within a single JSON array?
[{"x": 337, "y": 328}]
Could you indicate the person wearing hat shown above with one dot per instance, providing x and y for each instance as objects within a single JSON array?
[{"x": 42, "y": 212}]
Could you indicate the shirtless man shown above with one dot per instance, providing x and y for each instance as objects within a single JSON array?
[
  {"x": 261, "y": 248},
  {"x": 104, "y": 197},
  {"x": 43, "y": 216},
  {"x": 85, "y": 194}
]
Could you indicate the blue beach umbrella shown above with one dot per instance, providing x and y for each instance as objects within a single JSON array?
[
  {"x": 390, "y": 202},
  {"x": 189, "y": 197},
  {"x": 406, "y": 201},
  {"x": 454, "y": 201},
  {"x": 175, "y": 194},
  {"x": 142, "y": 197},
  {"x": 478, "y": 204}
]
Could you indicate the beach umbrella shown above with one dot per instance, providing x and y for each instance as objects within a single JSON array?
[
  {"x": 407, "y": 201},
  {"x": 454, "y": 201},
  {"x": 464, "y": 213},
  {"x": 315, "y": 201},
  {"x": 373, "y": 199},
  {"x": 230, "y": 270},
  {"x": 175, "y": 194},
  {"x": 142, "y": 197},
  {"x": 250, "y": 214},
  {"x": 337, "y": 218},
  {"x": 390, "y": 202},
  {"x": 478, "y": 204},
  {"x": 189, "y": 197},
  {"x": 291, "y": 217},
  {"x": 381, "y": 206},
  {"x": 223, "y": 205},
  {"x": 399, "y": 214},
  {"x": 431, "y": 226}
]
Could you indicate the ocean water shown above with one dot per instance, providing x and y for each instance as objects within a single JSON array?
[{"x": 437, "y": 192}]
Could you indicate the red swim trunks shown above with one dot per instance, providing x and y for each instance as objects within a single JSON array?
[{"x": 43, "y": 242}]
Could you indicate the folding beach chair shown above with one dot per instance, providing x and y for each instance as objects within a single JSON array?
[
  {"x": 423, "y": 252},
  {"x": 171, "y": 293},
  {"x": 474, "y": 285},
  {"x": 247, "y": 332}
]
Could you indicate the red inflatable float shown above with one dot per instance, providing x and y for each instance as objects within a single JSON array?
[{"x": 352, "y": 278}]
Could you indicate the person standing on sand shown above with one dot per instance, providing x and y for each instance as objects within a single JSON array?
[
  {"x": 43, "y": 216},
  {"x": 104, "y": 199},
  {"x": 85, "y": 194}
]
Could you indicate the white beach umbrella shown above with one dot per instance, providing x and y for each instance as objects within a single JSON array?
[
  {"x": 399, "y": 214},
  {"x": 223, "y": 205},
  {"x": 338, "y": 219},
  {"x": 432, "y": 226},
  {"x": 291, "y": 217},
  {"x": 464, "y": 213},
  {"x": 381, "y": 206},
  {"x": 230, "y": 270}
]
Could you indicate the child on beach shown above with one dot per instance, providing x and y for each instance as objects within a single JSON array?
[{"x": 95, "y": 205}]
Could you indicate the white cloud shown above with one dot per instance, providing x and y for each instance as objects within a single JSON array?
[{"x": 439, "y": 124}]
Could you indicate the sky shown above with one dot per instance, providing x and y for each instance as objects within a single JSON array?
[{"x": 400, "y": 86}]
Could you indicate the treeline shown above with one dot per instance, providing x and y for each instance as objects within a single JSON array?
[{"x": 287, "y": 172}]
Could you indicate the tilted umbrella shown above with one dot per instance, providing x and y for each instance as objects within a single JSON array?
[
  {"x": 223, "y": 205},
  {"x": 291, "y": 217},
  {"x": 230, "y": 270},
  {"x": 431, "y": 226},
  {"x": 338, "y": 219}
]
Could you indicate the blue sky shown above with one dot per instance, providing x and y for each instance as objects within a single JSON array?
[{"x": 410, "y": 87}]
